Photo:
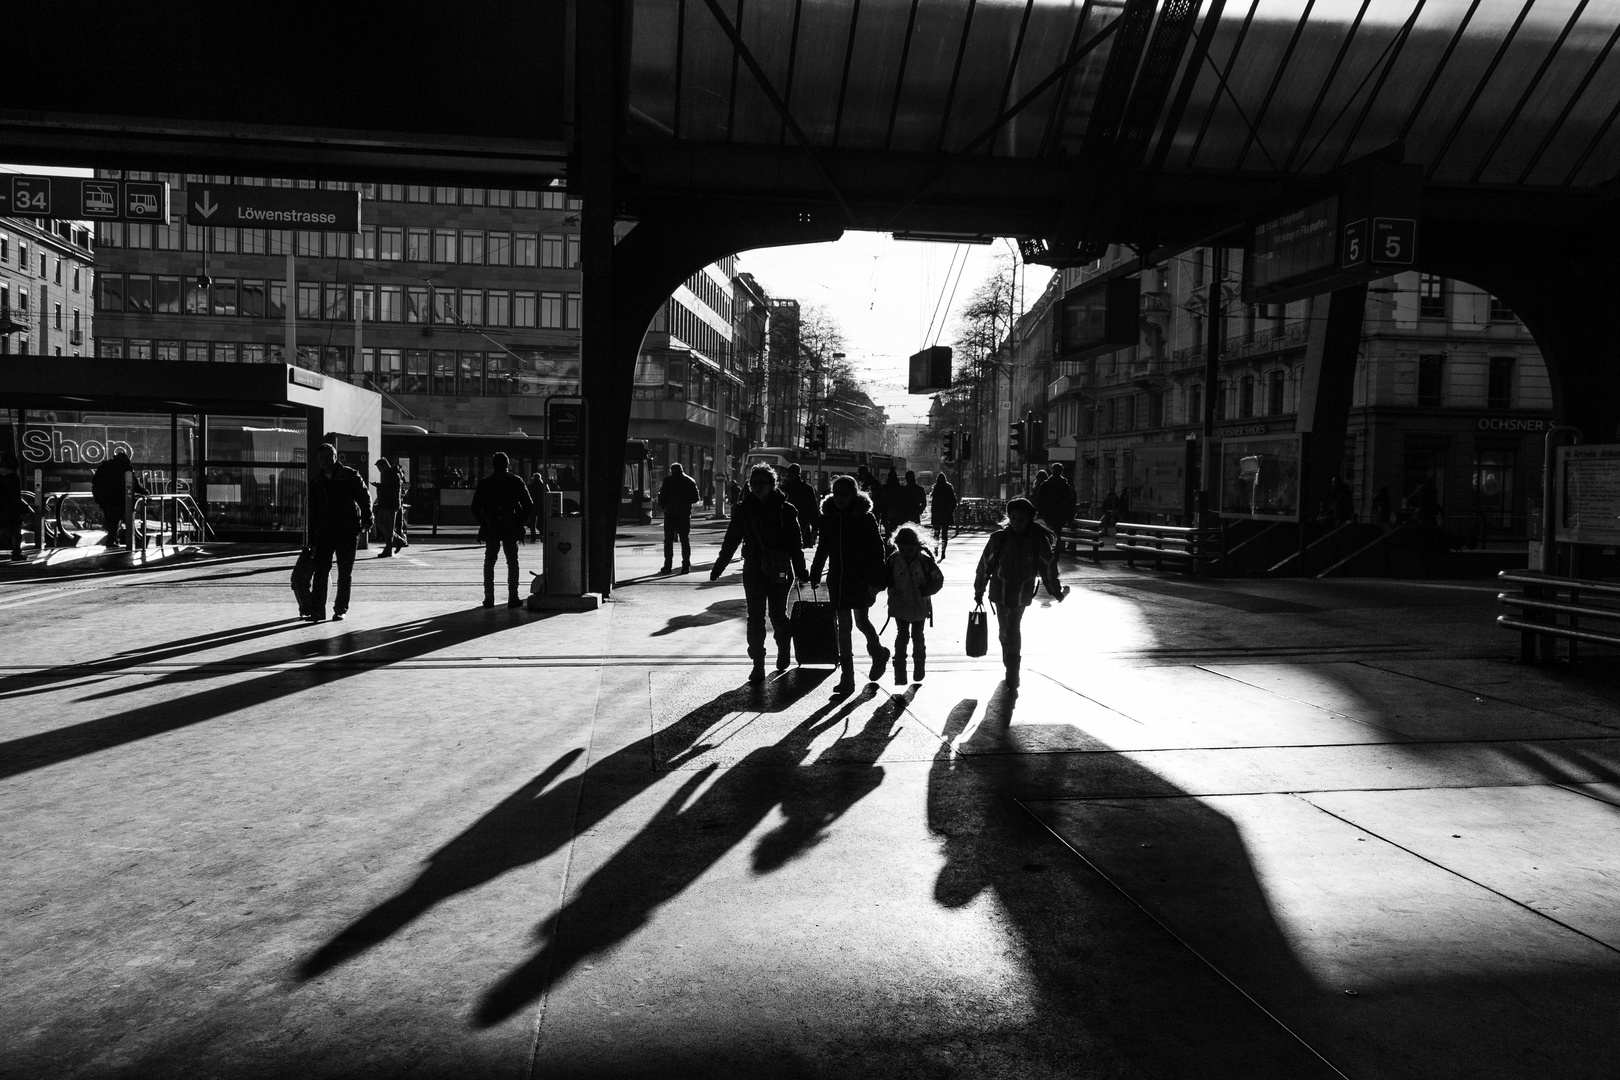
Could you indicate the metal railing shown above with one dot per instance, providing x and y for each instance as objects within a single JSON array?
[
  {"x": 1080, "y": 532},
  {"x": 179, "y": 518},
  {"x": 1196, "y": 547},
  {"x": 1544, "y": 600}
]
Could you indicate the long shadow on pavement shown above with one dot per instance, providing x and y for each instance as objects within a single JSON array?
[
  {"x": 686, "y": 837},
  {"x": 537, "y": 819},
  {"x": 374, "y": 648}
]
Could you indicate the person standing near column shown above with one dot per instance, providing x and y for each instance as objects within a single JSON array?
[
  {"x": 1014, "y": 557},
  {"x": 388, "y": 502},
  {"x": 339, "y": 512},
  {"x": 676, "y": 495},
  {"x": 538, "y": 489},
  {"x": 501, "y": 505}
]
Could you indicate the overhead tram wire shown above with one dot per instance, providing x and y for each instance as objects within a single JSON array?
[
  {"x": 955, "y": 251},
  {"x": 952, "y": 300}
]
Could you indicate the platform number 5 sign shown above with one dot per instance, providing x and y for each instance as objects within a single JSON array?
[{"x": 1394, "y": 241}]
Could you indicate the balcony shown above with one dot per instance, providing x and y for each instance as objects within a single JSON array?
[
  {"x": 76, "y": 337},
  {"x": 1065, "y": 386},
  {"x": 1241, "y": 346}
]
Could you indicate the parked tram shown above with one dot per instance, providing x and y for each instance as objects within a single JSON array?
[{"x": 819, "y": 469}]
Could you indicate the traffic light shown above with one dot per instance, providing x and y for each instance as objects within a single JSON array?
[
  {"x": 821, "y": 438},
  {"x": 965, "y": 450},
  {"x": 950, "y": 446},
  {"x": 1015, "y": 437}
]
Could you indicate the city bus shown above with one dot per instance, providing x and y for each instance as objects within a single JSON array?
[{"x": 819, "y": 469}]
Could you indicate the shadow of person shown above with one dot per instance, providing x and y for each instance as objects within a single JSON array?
[
  {"x": 342, "y": 657},
  {"x": 718, "y": 612},
  {"x": 684, "y": 838},
  {"x": 540, "y": 817},
  {"x": 817, "y": 795}
]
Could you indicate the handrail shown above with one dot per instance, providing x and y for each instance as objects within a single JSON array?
[
  {"x": 1196, "y": 544},
  {"x": 1083, "y": 531},
  {"x": 1539, "y": 606}
]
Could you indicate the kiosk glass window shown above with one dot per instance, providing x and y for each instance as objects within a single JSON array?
[
  {"x": 1493, "y": 487},
  {"x": 258, "y": 473}
]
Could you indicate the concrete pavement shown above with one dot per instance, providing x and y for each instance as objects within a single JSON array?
[{"x": 1248, "y": 829}]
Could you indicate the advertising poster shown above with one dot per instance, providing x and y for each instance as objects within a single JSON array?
[
  {"x": 1588, "y": 495},
  {"x": 1260, "y": 478},
  {"x": 1160, "y": 478}
]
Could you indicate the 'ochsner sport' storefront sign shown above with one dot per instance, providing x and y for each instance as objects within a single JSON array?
[{"x": 1509, "y": 423}]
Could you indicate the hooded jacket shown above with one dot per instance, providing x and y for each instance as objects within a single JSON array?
[
  {"x": 851, "y": 547},
  {"x": 942, "y": 508},
  {"x": 1012, "y": 562},
  {"x": 772, "y": 522},
  {"x": 912, "y": 584}
]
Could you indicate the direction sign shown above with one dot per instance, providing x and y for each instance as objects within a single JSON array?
[
  {"x": 241, "y": 205},
  {"x": 82, "y": 199}
]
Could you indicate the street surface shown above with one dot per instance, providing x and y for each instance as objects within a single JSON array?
[{"x": 1260, "y": 829}]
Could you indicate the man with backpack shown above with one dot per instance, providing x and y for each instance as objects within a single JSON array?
[
  {"x": 502, "y": 506},
  {"x": 107, "y": 489}
]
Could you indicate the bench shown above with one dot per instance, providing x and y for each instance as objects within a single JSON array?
[
  {"x": 1194, "y": 546},
  {"x": 1078, "y": 532}
]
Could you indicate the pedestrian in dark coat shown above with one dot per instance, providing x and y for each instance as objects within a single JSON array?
[
  {"x": 339, "y": 514},
  {"x": 389, "y": 499},
  {"x": 675, "y": 496},
  {"x": 913, "y": 500},
  {"x": 1055, "y": 500},
  {"x": 851, "y": 548},
  {"x": 766, "y": 524},
  {"x": 942, "y": 513},
  {"x": 11, "y": 506},
  {"x": 502, "y": 507},
  {"x": 107, "y": 489},
  {"x": 913, "y": 580},
  {"x": 538, "y": 488},
  {"x": 865, "y": 480},
  {"x": 891, "y": 504},
  {"x": 804, "y": 500},
  {"x": 1015, "y": 556},
  {"x": 1344, "y": 502}
]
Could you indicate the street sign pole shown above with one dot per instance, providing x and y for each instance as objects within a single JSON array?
[{"x": 291, "y": 303}]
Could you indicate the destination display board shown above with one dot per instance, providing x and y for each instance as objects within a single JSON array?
[
  {"x": 1361, "y": 226},
  {"x": 931, "y": 370},
  {"x": 1588, "y": 495},
  {"x": 1098, "y": 317},
  {"x": 1260, "y": 478}
]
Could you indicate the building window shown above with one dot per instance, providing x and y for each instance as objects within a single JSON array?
[
  {"x": 552, "y": 199},
  {"x": 138, "y": 294},
  {"x": 276, "y": 299},
  {"x": 1500, "y": 312},
  {"x": 365, "y": 243},
  {"x": 1431, "y": 371},
  {"x": 251, "y": 300},
  {"x": 551, "y": 251},
  {"x": 500, "y": 196},
  {"x": 307, "y": 243},
  {"x": 551, "y": 311},
  {"x": 1246, "y": 397},
  {"x": 108, "y": 348},
  {"x": 523, "y": 313},
  {"x": 57, "y": 314},
  {"x": 365, "y": 302},
  {"x": 58, "y": 278},
  {"x": 572, "y": 311},
  {"x": 416, "y": 369},
  {"x": 309, "y": 300},
  {"x": 390, "y": 192},
  {"x": 444, "y": 306},
  {"x": 254, "y": 241},
  {"x": 1222, "y": 400},
  {"x": 197, "y": 352},
  {"x": 445, "y": 195},
  {"x": 281, "y": 241},
  {"x": 418, "y": 245},
  {"x": 390, "y": 244},
  {"x": 524, "y": 250},
  {"x": 498, "y": 309},
  {"x": 418, "y": 193},
  {"x": 472, "y": 372},
  {"x": 500, "y": 249},
  {"x": 166, "y": 350},
  {"x": 1276, "y": 381},
  {"x": 390, "y": 303},
  {"x": 335, "y": 302},
  {"x": 390, "y": 369},
  {"x": 5, "y": 248},
  {"x": 416, "y": 304},
  {"x": 472, "y": 196},
  {"x": 525, "y": 200},
  {"x": 1431, "y": 296},
  {"x": 335, "y": 245},
  {"x": 1499, "y": 389},
  {"x": 497, "y": 374},
  {"x": 573, "y": 263},
  {"x": 109, "y": 234},
  {"x": 252, "y": 354},
  {"x": 335, "y": 361},
  {"x": 444, "y": 246},
  {"x": 224, "y": 352},
  {"x": 472, "y": 248},
  {"x": 444, "y": 373},
  {"x": 224, "y": 296},
  {"x": 109, "y": 293},
  {"x": 1195, "y": 404},
  {"x": 472, "y": 307},
  {"x": 224, "y": 240}
]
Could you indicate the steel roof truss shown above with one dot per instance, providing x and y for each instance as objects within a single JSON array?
[
  {"x": 1529, "y": 89},
  {"x": 1327, "y": 83},
  {"x": 1479, "y": 88},
  {"x": 1569, "y": 106}
]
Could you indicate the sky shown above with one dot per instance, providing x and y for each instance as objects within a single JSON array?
[{"x": 892, "y": 298}]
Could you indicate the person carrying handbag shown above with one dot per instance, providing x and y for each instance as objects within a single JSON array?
[
  {"x": 914, "y": 578},
  {"x": 851, "y": 547},
  {"x": 766, "y": 524},
  {"x": 1017, "y": 554}
]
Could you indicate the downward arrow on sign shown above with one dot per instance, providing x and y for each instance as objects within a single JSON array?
[{"x": 207, "y": 207}]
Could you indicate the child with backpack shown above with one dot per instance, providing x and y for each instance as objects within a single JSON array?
[{"x": 914, "y": 577}]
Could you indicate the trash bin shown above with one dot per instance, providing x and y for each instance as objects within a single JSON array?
[{"x": 565, "y": 555}]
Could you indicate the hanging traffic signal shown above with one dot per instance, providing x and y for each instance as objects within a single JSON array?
[
  {"x": 821, "y": 438},
  {"x": 950, "y": 446},
  {"x": 1015, "y": 436},
  {"x": 966, "y": 450}
]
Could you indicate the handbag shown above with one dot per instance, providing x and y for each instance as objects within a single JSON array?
[
  {"x": 814, "y": 628},
  {"x": 778, "y": 565},
  {"x": 978, "y": 632}
]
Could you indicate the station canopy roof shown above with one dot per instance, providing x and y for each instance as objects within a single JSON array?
[{"x": 1042, "y": 95}]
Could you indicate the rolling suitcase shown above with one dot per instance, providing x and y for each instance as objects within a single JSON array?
[{"x": 814, "y": 627}]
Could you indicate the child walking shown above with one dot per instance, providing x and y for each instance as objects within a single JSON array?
[{"x": 914, "y": 577}]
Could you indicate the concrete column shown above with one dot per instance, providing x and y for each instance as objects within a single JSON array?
[{"x": 1326, "y": 388}]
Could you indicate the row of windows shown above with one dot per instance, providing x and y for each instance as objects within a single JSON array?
[
  {"x": 466, "y": 247},
  {"x": 22, "y": 309},
  {"x": 26, "y": 264},
  {"x": 254, "y": 298},
  {"x": 444, "y": 372},
  {"x": 549, "y": 199}
]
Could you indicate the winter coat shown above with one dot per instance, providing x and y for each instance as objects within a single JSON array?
[
  {"x": 851, "y": 541},
  {"x": 388, "y": 490},
  {"x": 339, "y": 506},
  {"x": 913, "y": 502},
  {"x": 107, "y": 482},
  {"x": 1054, "y": 502},
  {"x": 803, "y": 498},
  {"x": 772, "y": 522},
  {"x": 942, "y": 514},
  {"x": 676, "y": 495},
  {"x": 912, "y": 583},
  {"x": 501, "y": 505},
  {"x": 1011, "y": 563},
  {"x": 891, "y": 503},
  {"x": 11, "y": 508}
]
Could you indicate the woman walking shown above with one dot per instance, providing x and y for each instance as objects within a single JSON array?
[
  {"x": 766, "y": 524},
  {"x": 389, "y": 497},
  {"x": 914, "y": 578},
  {"x": 1014, "y": 557},
  {"x": 942, "y": 512},
  {"x": 851, "y": 543}
]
